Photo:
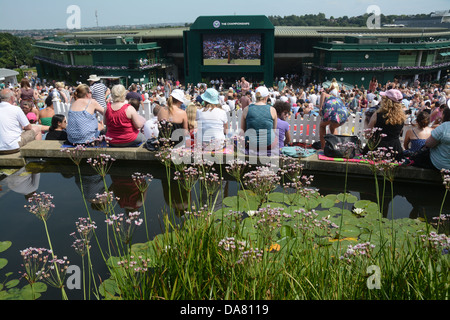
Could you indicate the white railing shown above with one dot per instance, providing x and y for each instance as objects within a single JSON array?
[{"x": 303, "y": 130}]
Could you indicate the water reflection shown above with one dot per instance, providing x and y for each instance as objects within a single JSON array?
[{"x": 24, "y": 182}]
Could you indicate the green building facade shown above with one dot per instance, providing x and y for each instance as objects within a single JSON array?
[
  {"x": 115, "y": 60},
  {"x": 357, "y": 59},
  {"x": 225, "y": 30},
  {"x": 316, "y": 54}
]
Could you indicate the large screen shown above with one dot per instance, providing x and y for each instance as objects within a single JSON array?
[{"x": 232, "y": 49}]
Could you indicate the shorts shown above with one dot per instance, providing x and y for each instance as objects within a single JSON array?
[
  {"x": 334, "y": 110},
  {"x": 26, "y": 137}
]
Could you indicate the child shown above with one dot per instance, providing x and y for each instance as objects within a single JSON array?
[{"x": 283, "y": 109}]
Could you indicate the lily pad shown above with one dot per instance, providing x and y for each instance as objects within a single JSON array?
[
  {"x": 350, "y": 232},
  {"x": 349, "y": 198},
  {"x": 328, "y": 201},
  {"x": 277, "y": 197},
  {"x": 4, "y": 245},
  {"x": 3, "y": 263},
  {"x": 12, "y": 283}
]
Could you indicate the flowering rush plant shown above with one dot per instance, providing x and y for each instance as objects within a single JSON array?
[
  {"x": 40, "y": 205},
  {"x": 39, "y": 267}
]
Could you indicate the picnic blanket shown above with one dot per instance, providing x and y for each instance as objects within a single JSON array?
[
  {"x": 298, "y": 152},
  {"x": 358, "y": 158}
]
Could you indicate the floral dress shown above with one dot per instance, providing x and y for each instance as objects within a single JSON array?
[{"x": 334, "y": 109}]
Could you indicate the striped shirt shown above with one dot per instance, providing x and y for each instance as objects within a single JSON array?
[{"x": 98, "y": 90}]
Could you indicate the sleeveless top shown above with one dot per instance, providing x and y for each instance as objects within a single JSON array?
[
  {"x": 260, "y": 119},
  {"x": 120, "y": 129},
  {"x": 392, "y": 132},
  {"x": 26, "y": 95},
  {"x": 416, "y": 144},
  {"x": 46, "y": 121},
  {"x": 82, "y": 127}
]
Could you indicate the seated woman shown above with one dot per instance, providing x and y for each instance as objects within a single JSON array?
[
  {"x": 28, "y": 107},
  {"x": 390, "y": 117},
  {"x": 82, "y": 124},
  {"x": 334, "y": 114},
  {"x": 260, "y": 120},
  {"x": 57, "y": 130},
  {"x": 436, "y": 156},
  {"x": 283, "y": 110},
  {"x": 46, "y": 114},
  {"x": 212, "y": 121},
  {"x": 123, "y": 123},
  {"x": 191, "y": 112},
  {"x": 436, "y": 115},
  {"x": 173, "y": 120},
  {"x": 417, "y": 135}
]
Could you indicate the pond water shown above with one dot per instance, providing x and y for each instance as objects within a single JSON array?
[{"x": 60, "y": 179}]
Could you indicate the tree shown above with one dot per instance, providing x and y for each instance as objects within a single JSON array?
[{"x": 16, "y": 51}]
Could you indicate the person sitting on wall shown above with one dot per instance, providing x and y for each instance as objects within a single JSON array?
[
  {"x": 82, "y": 125},
  {"x": 46, "y": 114},
  {"x": 437, "y": 147},
  {"x": 283, "y": 110},
  {"x": 122, "y": 121},
  {"x": 172, "y": 118},
  {"x": 415, "y": 137},
  {"x": 15, "y": 129},
  {"x": 57, "y": 130},
  {"x": 260, "y": 119}
]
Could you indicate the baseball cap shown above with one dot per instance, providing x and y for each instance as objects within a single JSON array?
[
  {"x": 263, "y": 91},
  {"x": 31, "y": 116},
  {"x": 393, "y": 94}
]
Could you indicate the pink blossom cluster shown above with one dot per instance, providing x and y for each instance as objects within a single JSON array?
[
  {"x": 138, "y": 264},
  {"x": 359, "y": 250},
  {"x": 40, "y": 205},
  {"x": 142, "y": 181}
]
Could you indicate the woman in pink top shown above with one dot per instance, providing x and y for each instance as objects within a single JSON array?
[{"x": 123, "y": 123}]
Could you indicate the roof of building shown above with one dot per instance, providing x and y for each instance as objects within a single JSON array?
[
  {"x": 4, "y": 73},
  {"x": 280, "y": 31}
]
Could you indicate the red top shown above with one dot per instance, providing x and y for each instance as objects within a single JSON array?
[{"x": 120, "y": 129}]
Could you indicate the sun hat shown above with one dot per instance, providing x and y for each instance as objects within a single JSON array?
[
  {"x": 178, "y": 94},
  {"x": 393, "y": 94},
  {"x": 263, "y": 91},
  {"x": 211, "y": 96},
  {"x": 94, "y": 78}
]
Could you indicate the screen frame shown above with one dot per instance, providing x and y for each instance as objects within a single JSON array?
[{"x": 233, "y": 33}]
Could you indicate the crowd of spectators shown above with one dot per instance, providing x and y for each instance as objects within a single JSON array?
[{"x": 200, "y": 110}]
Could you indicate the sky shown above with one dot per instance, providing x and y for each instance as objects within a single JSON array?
[{"x": 46, "y": 14}]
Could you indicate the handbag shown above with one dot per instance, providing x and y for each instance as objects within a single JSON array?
[
  {"x": 335, "y": 146},
  {"x": 152, "y": 144}
]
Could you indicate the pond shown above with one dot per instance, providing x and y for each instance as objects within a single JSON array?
[{"x": 60, "y": 179}]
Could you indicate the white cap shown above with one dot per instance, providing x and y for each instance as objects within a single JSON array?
[{"x": 263, "y": 91}]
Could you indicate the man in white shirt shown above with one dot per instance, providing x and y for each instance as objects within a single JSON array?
[
  {"x": 313, "y": 98},
  {"x": 15, "y": 129}
]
